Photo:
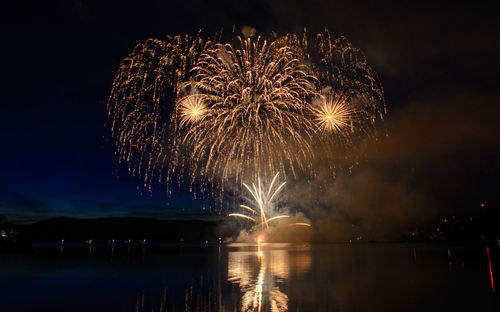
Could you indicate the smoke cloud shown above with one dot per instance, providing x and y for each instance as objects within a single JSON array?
[{"x": 437, "y": 160}]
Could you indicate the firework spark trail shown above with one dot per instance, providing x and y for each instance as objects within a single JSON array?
[
  {"x": 199, "y": 110},
  {"x": 300, "y": 224},
  {"x": 242, "y": 216},
  {"x": 267, "y": 210}
]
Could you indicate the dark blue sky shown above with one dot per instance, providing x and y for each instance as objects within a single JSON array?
[
  {"x": 59, "y": 159},
  {"x": 438, "y": 63}
]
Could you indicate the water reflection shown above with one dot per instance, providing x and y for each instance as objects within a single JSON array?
[
  {"x": 277, "y": 277},
  {"x": 262, "y": 274}
]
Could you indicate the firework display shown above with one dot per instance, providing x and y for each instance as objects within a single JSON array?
[
  {"x": 257, "y": 120},
  {"x": 208, "y": 110},
  {"x": 265, "y": 207}
]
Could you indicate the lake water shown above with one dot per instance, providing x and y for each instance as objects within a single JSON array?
[{"x": 247, "y": 277}]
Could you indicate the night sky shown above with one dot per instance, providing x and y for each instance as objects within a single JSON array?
[{"x": 438, "y": 62}]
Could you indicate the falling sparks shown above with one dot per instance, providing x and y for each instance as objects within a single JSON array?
[
  {"x": 196, "y": 109},
  {"x": 255, "y": 91}
]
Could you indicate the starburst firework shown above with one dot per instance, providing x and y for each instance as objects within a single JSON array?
[
  {"x": 334, "y": 114},
  {"x": 192, "y": 109}
]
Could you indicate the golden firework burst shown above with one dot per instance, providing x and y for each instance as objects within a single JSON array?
[
  {"x": 265, "y": 208},
  {"x": 256, "y": 94},
  {"x": 192, "y": 108},
  {"x": 188, "y": 108},
  {"x": 333, "y": 113}
]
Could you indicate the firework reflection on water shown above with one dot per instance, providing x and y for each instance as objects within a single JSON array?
[
  {"x": 258, "y": 277},
  {"x": 262, "y": 275}
]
